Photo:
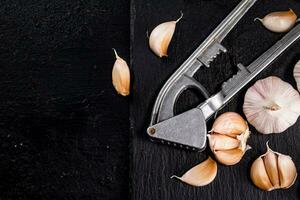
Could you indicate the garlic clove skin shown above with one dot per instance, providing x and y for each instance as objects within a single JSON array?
[
  {"x": 229, "y": 123},
  {"x": 287, "y": 171},
  {"x": 271, "y": 105},
  {"x": 201, "y": 174},
  {"x": 297, "y": 74},
  {"x": 281, "y": 21},
  {"x": 161, "y": 37},
  {"x": 243, "y": 137},
  {"x": 121, "y": 76},
  {"x": 222, "y": 142},
  {"x": 259, "y": 175}
]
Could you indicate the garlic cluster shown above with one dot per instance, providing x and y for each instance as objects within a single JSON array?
[
  {"x": 161, "y": 36},
  {"x": 271, "y": 105},
  {"x": 281, "y": 21},
  {"x": 273, "y": 170},
  {"x": 201, "y": 174},
  {"x": 121, "y": 76},
  {"x": 297, "y": 74},
  {"x": 228, "y": 138}
]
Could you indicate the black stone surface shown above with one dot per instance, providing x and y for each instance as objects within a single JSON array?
[
  {"x": 152, "y": 164},
  {"x": 63, "y": 129}
]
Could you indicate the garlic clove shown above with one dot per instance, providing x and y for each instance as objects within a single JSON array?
[
  {"x": 271, "y": 105},
  {"x": 229, "y": 157},
  {"x": 287, "y": 171},
  {"x": 297, "y": 74},
  {"x": 222, "y": 142},
  {"x": 229, "y": 123},
  {"x": 273, "y": 170},
  {"x": 201, "y": 174},
  {"x": 161, "y": 36},
  {"x": 228, "y": 140},
  {"x": 270, "y": 162},
  {"x": 259, "y": 176},
  {"x": 121, "y": 76},
  {"x": 281, "y": 21}
]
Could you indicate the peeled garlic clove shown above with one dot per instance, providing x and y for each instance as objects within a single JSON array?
[
  {"x": 297, "y": 74},
  {"x": 229, "y": 157},
  {"x": 281, "y": 21},
  {"x": 121, "y": 76},
  {"x": 161, "y": 36},
  {"x": 201, "y": 174},
  {"x": 259, "y": 175},
  {"x": 229, "y": 123},
  {"x": 222, "y": 142},
  {"x": 287, "y": 171},
  {"x": 270, "y": 162},
  {"x": 271, "y": 105}
]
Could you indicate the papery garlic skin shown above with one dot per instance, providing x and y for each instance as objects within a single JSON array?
[
  {"x": 281, "y": 21},
  {"x": 201, "y": 174},
  {"x": 271, "y": 105},
  {"x": 273, "y": 170},
  {"x": 297, "y": 74},
  {"x": 228, "y": 138},
  {"x": 121, "y": 76},
  {"x": 161, "y": 37}
]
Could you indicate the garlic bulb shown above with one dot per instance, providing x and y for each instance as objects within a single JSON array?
[
  {"x": 281, "y": 21},
  {"x": 121, "y": 76},
  {"x": 297, "y": 74},
  {"x": 273, "y": 170},
  {"x": 201, "y": 174},
  {"x": 228, "y": 138},
  {"x": 161, "y": 36},
  {"x": 271, "y": 105}
]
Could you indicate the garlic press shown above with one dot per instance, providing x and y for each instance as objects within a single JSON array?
[{"x": 188, "y": 129}]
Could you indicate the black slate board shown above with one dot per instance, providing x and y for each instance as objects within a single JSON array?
[
  {"x": 152, "y": 164},
  {"x": 63, "y": 129}
]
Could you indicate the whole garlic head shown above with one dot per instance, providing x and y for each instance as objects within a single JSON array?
[
  {"x": 271, "y": 105},
  {"x": 228, "y": 138},
  {"x": 297, "y": 74},
  {"x": 273, "y": 170}
]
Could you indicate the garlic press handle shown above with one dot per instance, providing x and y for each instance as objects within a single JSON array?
[{"x": 185, "y": 82}]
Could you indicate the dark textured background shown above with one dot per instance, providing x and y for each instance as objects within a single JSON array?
[
  {"x": 153, "y": 164},
  {"x": 63, "y": 129}
]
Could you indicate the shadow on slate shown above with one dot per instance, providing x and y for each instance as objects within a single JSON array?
[
  {"x": 152, "y": 164},
  {"x": 63, "y": 129}
]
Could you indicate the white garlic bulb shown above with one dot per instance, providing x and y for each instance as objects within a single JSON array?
[
  {"x": 297, "y": 74},
  {"x": 271, "y": 105},
  {"x": 273, "y": 170},
  {"x": 281, "y": 21},
  {"x": 161, "y": 36},
  {"x": 228, "y": 138}
]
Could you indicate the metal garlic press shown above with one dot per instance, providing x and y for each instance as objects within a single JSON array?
[{"x": 189, "y": 128}]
